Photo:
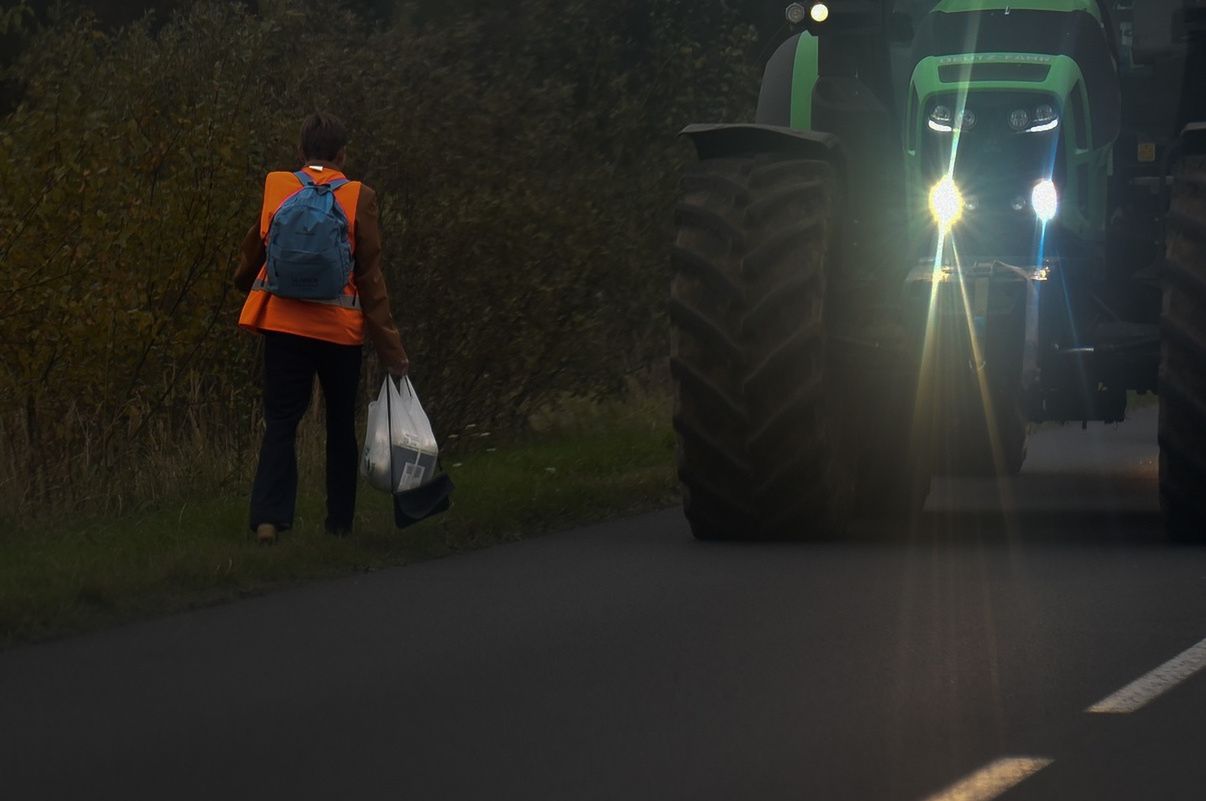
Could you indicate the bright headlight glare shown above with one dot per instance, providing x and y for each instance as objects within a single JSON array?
[
  {"x": 946, "y": 204},
  {"x": 819, "y": 12},
  {"x": 1044, "y": 200}
]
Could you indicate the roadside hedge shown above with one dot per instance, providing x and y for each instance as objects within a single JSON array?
[{"x": 526, "y": 159}]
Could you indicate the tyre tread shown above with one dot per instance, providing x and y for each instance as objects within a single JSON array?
[
  {"x": 742, "y": 442},
  {"x": 1182, "y": 434}
]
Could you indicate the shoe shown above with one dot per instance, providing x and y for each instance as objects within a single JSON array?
[{"x": 265, "y": 534}]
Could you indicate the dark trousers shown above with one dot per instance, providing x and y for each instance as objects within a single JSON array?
[{"x": 290, "y": 363}]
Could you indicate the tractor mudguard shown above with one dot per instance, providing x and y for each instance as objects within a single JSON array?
[
  {"x": 721, "y": 140},
  {"x": 787, "y": 83}
]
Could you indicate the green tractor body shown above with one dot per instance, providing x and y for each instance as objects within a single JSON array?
[{"x": 938, "y": 230}]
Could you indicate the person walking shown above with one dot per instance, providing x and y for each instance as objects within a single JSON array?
[{"x": 308, "y": 336}]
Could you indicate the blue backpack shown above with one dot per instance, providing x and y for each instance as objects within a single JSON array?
[{"x": 309, "y": 254}]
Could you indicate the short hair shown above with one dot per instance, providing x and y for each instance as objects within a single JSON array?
[{"x": 322, "y": 137}]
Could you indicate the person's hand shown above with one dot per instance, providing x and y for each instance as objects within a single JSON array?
[{"x": 400, "y": 370}]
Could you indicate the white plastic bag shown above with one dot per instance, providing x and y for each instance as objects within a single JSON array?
[
  {"x": 400, "y": 448},
  {"x": 415, "y": 450},
  {"x": 374, "y": 463}
]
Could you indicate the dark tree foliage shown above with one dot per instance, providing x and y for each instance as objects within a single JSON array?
[{"x": 110, "y": 13}]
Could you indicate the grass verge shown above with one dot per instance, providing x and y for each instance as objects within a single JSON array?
[{"x": 73, "y": 576}]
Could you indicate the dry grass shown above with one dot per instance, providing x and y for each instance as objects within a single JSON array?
[{"x": 195, "y": 446}]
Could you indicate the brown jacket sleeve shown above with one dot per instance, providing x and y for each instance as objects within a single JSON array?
[
  {"x": 251, "y": 259},
  {"x": 370, "y": 283}
]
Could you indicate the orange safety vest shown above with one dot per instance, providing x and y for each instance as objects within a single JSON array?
[{"x": 340, "y": 320}]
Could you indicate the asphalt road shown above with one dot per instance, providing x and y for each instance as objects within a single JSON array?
[{"x": 626, "y": 661}]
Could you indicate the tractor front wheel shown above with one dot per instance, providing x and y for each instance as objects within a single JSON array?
[
  {"x": 758, "y": 436},
  {"x": 1183, "y": 359}
]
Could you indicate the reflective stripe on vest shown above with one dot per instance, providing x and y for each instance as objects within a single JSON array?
[{"x": 346, "y": 301}]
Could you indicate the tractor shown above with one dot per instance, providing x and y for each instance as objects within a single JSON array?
[{"x": 946, "y": 223}]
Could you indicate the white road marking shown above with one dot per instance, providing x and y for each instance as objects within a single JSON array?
[
  {"x": 1155, "y": 683},
  {"x": 992, "y": 779}
]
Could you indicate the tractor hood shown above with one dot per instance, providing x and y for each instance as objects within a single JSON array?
[
  {"x": 1052, "y": 75},
  {"x": 1004, "y": 97},
  {"x": 998, "y": 124},
  {"x": 996, "y": 103}
]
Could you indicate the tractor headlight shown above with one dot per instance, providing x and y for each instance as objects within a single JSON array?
[
  {"x": 1044, "y": 200},
  {"x": 943, "y": 120},
  {"x": 1035, "y": 120},
  {"x": 819, "y": 12},
  {"x": 946, "y": 204},
  {"x": 1045, "y": 119}
]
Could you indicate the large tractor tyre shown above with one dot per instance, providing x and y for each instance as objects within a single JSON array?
[
  {"x": 1183, "y": 359},
  {"x": 758, "y": 450}
]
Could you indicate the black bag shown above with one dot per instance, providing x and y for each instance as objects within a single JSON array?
[{"x": 430, "y": 499}]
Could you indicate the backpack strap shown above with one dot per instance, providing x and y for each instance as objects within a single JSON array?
[{"x": 306, "y": 180}]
